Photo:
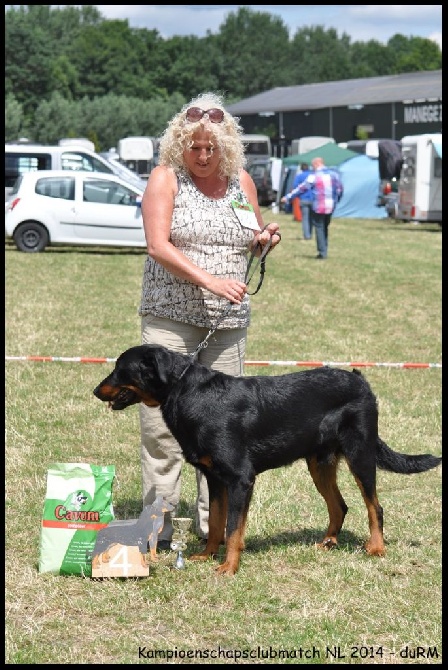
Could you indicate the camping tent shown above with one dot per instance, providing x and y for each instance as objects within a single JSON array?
[
  {"x": 360, "y": 179},
  {"x": 331, "y": 154},
  {"x": 359, "y": 175}
]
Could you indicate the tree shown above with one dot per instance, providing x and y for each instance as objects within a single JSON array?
[
  {"x": 190, "y": 65},
  {"x": 320, "y": 55},
  {"x": 56, "y": 118},
  {"x": 28, "y": 62},
  {"x": 370, "y": 59},
  {"x": 15, "y": 126},
  {"x": 107, "y": 60},
  {"x": 255, "y": 51},
  {"x": 65, "y": 79},
  {"x": 68, "y": 70},
  {"x": 414, "y": 53}
]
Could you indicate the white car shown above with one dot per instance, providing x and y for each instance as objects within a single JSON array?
[{"x": 49, "y": 207}]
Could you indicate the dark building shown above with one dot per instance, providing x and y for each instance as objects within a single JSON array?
[{"x": 373, "y": 108}]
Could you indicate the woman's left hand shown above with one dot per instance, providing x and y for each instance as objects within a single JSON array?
[{"x": 270, "y": 232}]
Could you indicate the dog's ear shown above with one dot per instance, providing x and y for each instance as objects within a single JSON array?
[{"x": 156, "y": 362}]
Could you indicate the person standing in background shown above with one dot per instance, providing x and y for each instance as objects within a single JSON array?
[
  {"x": 326, "y": 189},
  {"x": 306, "y": 200},
  {"x": 201, "y": 219}
]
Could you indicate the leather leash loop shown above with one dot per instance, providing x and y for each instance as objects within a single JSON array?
[{"x": 261, "y": 261}]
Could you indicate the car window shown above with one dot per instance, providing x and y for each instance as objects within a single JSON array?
[
  {"x": 56, "y": 187},
  {"x": 77, "y": 160},
  {"x": 107, "y": 192},
  {"x": 257, "y": 171},
  {"x": 17, "y": 163}
]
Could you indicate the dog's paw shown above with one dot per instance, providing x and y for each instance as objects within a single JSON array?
[
  {"x": 327, "y": 544},
  {"x": 226, "y": 568},
  {"x": 374, "y": 549},
  {"x": 203, "y": 556}
]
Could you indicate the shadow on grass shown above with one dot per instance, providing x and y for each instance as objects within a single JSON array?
[
  {"x": 416, "y": 228},
  {"x": 305, "y": 536},
  {"x": 131, "y": 509},
  {"x": 92, "y": 250}
]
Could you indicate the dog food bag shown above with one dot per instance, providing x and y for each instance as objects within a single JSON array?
[{"x": 78, "y": 503}]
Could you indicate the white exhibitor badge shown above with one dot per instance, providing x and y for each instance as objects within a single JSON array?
[{"x": 246, "y": 215}]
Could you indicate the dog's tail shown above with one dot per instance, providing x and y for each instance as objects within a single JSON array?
[{"x": 390, "y": 460}]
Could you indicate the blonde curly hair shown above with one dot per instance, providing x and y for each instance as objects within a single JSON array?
[{"x": 178, "y": 136}]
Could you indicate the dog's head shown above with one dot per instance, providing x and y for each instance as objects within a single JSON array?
[
  {"x": 78, "y": 500},
  {"x": 141, "y": 374}
]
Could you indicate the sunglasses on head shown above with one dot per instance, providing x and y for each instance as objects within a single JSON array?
[{"x": 196, "y": 113}]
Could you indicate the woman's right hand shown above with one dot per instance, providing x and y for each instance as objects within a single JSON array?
[{"x": 230, "y": 289}]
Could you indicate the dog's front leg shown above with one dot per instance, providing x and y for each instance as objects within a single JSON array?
[
  {"x": 239, "y": 496},
  {"x": 216, "y": 519}
]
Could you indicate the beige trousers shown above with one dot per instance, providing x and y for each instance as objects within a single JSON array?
[{"x": 161, "y": 456}]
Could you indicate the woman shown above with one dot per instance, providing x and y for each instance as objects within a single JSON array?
[{"x": 201, "y": 217}]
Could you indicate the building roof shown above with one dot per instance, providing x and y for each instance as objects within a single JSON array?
[{"x": 410, "y": 87}]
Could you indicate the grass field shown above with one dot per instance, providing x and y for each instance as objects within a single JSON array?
[{"x": 377, "y": 298}]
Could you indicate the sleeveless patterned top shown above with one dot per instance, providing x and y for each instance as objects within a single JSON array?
[{"x": 209, "y": 233}]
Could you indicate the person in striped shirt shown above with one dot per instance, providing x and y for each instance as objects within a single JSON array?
[{"x": 326, "y": 189}]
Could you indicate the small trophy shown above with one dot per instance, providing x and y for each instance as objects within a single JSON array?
[{"x": 181, "y": 527}]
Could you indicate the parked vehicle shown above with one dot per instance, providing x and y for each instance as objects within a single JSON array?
[
  {"x": 390, "y": 160},
  {"x": 139, "y": 154},
  {"x": 22, "y": 158},
  {"x": 124, "y": 172},
  {"x": 304, "y": 144},
  {"x": 366, "y": 147},
  {"x": 260, "y": 171},
  {"x": 420, "y": 184},
  {"x": 266, "y": 173},
  {"x": 256, "y": 147},
  {"x": 77, "y": 141},
  {"x": 51, "y": 207}
]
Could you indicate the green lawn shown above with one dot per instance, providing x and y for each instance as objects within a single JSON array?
[{"x": 377, "y": 298}]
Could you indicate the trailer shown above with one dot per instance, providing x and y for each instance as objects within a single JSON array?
[
  {"x": 420, "y": 184},
  {"x": 139, "y": 154},
  {"x": 304, "y": 144},
  {"x": 256, "y": 147}
]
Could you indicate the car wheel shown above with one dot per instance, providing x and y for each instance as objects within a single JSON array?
[{"x": 31, "y": 237}]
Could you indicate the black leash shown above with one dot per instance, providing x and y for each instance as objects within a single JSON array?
[{"x": 261, "y": 261}]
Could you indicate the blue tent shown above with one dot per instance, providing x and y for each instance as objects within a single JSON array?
[
  {"x": 359, "y": 174},
  {"x": 360, "y": 178}
]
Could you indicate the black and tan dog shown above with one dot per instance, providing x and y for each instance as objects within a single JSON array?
[{"x": 233, "y": 428}]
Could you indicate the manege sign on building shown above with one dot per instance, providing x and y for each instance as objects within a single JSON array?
[{"x": 422, "y": 113}]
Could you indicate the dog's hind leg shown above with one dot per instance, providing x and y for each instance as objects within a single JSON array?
[
  {"x": 358, "y": 437},
  {"x": 366, "y": 480},
  {"x": 324, "y": 476}
]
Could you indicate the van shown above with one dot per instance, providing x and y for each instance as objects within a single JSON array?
[
  {"x": 139, "y": 154},
  {"x": 308, "y": 143},
  {"x": 366, "y": 147},
  {"x": 420, "y": 184},
  {"x": 256, "y": 146},
  {"x": 78, "y": 141},
  {"x": 20, "y": 158}
]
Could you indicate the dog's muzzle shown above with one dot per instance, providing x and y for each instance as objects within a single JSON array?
[{"x": 121, "y": 400}]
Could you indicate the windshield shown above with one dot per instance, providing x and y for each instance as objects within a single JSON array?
[{"x": 125, "y": 173}]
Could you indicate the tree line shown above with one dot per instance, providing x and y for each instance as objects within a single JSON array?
[{"x": 69, "y": 72}]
